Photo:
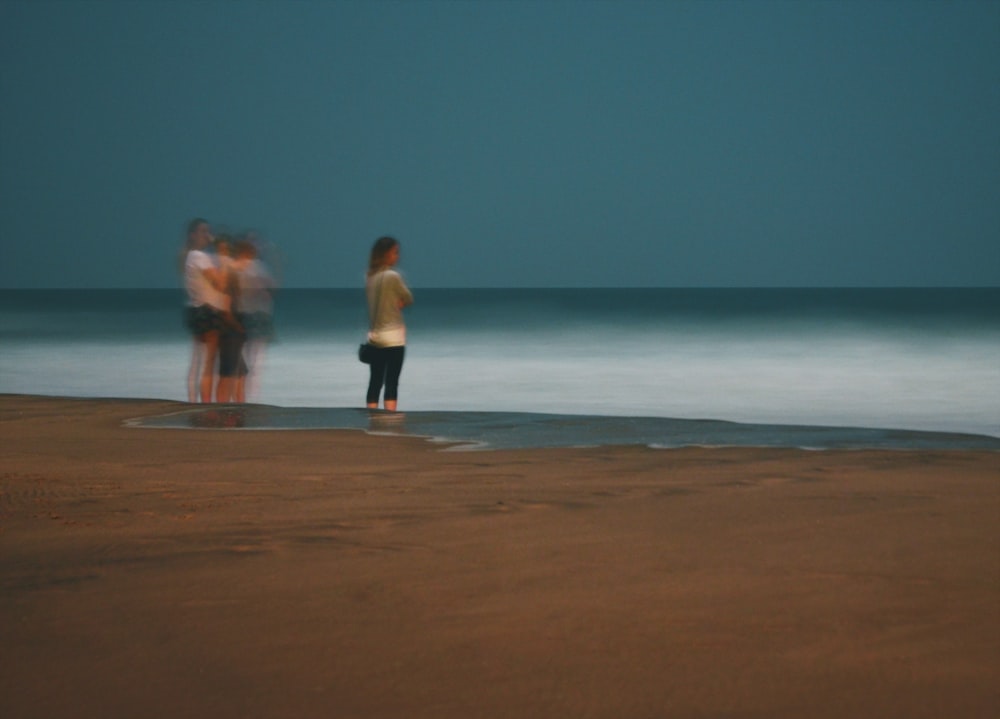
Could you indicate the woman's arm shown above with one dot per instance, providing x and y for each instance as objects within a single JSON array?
[{"x": 404, "y": 297}]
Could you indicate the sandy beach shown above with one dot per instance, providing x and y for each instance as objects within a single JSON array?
[{"x": 218, "y": 573}]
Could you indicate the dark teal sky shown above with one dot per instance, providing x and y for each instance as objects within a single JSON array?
[{"x": 506, "y": 143}]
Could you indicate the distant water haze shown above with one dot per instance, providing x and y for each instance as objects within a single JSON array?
[{"x": 908, "y": 359}]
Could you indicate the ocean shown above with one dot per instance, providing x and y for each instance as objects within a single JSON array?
[{"x": 769, "y": 360}]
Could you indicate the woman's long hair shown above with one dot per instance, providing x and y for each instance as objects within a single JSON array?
[{"x": 382, "y": 247}]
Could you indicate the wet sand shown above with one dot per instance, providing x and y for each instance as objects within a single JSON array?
[{"x": 215, "y": 573}]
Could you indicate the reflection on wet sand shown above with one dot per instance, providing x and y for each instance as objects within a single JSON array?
[
  {"x": 386, "y": 422},
  {"x": 221, "y": 418},
  {"x": 523, "y": 430}
]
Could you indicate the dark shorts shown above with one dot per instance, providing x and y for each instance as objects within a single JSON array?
[
  {"x": 202, "y": 319},
  {"x": 258, "y": 325},
  {"x": 231, "y": 362}
]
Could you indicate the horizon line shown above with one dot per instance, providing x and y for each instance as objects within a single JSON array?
[{"x": 548, "y": 287}]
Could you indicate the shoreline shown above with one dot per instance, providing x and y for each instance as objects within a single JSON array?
[
  {"x": 323, "y": 572},
  {"x": 474, "y": 430},
  {"x": 500, "y": 430}
]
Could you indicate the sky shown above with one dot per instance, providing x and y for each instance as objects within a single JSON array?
[{"x": 506, "y": 144}]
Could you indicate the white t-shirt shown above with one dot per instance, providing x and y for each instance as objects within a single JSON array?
[
  {"x": 387, "y": 294},
  {"x": 256, "y": 284},
  {"x": 200, "y": 291}
]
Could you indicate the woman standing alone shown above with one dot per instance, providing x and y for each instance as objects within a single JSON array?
[{"x": 387, "y": 296}]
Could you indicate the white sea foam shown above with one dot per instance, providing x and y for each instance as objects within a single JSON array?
[{"x": 799, "y": 371}]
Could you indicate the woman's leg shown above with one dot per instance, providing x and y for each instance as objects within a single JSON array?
[
  {"x": 254, "y": 353},
  {"x": 194, "y": 371},
  {"x": 240, "y": 385},
  {"x": 394, "y": 365},
  {"x": 224, "y": 390},
  {"x": 231, "y": 365},
  {"x": 376, "y": 377},
  {"x": 210, "y": 341}
]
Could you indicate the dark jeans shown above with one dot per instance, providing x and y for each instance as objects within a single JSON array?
[{"x": 385, "y": 368}]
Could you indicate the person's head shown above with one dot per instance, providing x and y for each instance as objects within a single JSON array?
[
  {"x": 244, "y": 249},
  {"x": 385, "y": 253},
  {"x": 224, "y": 245},
  {"x": 199, "y": 234},
  {"x": 244, "y": 252}
]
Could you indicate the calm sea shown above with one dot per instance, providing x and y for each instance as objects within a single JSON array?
[{"x": 910, "y": 359}]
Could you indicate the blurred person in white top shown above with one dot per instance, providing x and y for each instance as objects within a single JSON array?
[
  {"x": 254, "y": 310},
  {"x": 207, "y": 303}
]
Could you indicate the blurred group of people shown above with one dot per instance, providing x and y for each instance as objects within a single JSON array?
[{"x": 229, "y": 313}]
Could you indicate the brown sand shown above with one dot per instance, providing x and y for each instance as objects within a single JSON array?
[{"x": 185, "y": 573}]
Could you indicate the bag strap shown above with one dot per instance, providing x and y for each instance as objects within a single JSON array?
[{"x": 372, "y": 311}]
